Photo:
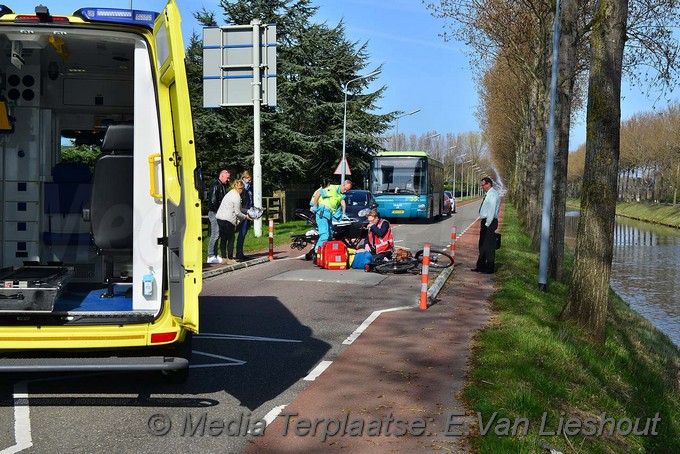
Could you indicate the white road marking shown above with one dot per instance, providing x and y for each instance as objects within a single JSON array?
[
  {"x": 22, "y": 416},
  {"x": 22, "y": 420},
  {"x": 244, "y": 338},
  {"x": 272, "y": 414},
  {"x": 318, "y": 370},
  {"x": 357, "y": 332},
  {"x": 229, "y": 361}
]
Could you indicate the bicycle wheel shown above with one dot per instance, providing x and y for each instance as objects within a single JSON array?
[
  {"x": 396, "y": 266},
  {"x": 438, "y": 259}
]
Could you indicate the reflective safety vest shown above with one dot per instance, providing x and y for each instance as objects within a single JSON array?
[
  {"x": 331, "y": 197},
  {"x": 383, "y": 244}
]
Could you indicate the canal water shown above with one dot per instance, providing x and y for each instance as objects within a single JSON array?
[{"x": 645, "y": 270}]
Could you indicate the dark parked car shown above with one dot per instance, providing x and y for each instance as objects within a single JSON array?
[
  {"x": 449, "y": 203},
  {"x": 357, "y": 200}
]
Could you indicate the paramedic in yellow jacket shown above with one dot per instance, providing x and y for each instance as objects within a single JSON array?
[{"x": 325, "y": 204}]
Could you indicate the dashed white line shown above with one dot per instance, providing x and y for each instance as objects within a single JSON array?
[
  {"x": 318, "y": 370},
  {"x": 273, "y": 413}
]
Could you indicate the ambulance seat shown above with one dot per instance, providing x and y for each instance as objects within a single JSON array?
[{"x": 112, "y": 199}]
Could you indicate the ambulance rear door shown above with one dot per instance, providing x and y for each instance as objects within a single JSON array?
[{"x": 182, "y": 203}]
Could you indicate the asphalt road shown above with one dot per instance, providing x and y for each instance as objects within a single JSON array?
[{"x": 264, "y": 329}]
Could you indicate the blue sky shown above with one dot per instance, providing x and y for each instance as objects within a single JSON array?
[{"x": 420, "y": 70}]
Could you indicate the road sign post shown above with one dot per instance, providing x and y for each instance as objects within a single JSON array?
[{"x": 239, "y": 69}]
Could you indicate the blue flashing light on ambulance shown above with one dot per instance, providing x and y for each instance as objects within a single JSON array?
[
  {"x": 407, "y": 184},
  {"x": 100, "y": 261}
]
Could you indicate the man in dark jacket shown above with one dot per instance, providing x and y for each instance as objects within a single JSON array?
[
  {"x": 217, "y": 191},
  {"x": 488, "y": 213},
  {"x": 246, "y": 202}
]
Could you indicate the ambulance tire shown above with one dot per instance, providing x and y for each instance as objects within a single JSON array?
[{"x": 182, "y": 350}]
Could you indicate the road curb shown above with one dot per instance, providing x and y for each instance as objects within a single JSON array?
[
  {"x": 237, "y": 266},
  {"x": 436, "y": 287}
]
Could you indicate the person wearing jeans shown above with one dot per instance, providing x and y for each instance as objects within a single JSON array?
[
  {"x": 246, "y": 203},
  {"x": 217, "y": 191},
  {"x": 229, "y": 216}
]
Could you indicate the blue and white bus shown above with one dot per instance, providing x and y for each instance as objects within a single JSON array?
[{"x": 407, "y": 184}]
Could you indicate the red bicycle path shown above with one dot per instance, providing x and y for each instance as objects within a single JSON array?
[{"x": 397, "y": 387}]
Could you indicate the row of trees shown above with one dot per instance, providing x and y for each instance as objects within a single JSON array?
[
  {"x": 649, "y": 164},
  {"x": 512, "y": 47}
]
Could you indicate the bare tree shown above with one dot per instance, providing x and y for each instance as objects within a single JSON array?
[{"x": 589, "y": 289}]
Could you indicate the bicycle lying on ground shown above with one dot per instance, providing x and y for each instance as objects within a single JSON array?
[{"x": 403, "y": 260}]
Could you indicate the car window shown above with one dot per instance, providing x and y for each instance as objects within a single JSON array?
[{"x": 356, "y": 199}]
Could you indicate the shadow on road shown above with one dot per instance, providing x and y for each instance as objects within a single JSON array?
[{"x": 251, "y": 348}]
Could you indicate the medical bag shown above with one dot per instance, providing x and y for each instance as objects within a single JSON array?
[{"x": 333, "y": 256}]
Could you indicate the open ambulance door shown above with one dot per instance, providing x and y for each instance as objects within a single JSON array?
[{"x": 182, "y": 204}]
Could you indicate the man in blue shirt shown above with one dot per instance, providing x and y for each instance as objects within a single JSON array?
[{"x": 488, "y": 212}]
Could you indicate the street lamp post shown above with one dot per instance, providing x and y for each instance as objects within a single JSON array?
[
  {"x": 344, "y": 119},
  {"x": 432, "y": 137},
  {"x": 463, "y": 179},
  {"x": 397, "y": 124},
  {"x": 453, "y": 182},
  {"x": 476, "y": 187},
  {"x": 454, "y": 170}
]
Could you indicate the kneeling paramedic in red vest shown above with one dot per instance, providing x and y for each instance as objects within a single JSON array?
[{"x": 379, "y": 240}]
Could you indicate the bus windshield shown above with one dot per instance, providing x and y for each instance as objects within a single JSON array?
[{"x": 398, "y": 175}]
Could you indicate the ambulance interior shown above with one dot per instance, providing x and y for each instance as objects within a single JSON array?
[{"x": 80, "y": 227}]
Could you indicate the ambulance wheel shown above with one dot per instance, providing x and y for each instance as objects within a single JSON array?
[
  {"x": 176, "y": 377},
  {"x": 182, "y": 350}
]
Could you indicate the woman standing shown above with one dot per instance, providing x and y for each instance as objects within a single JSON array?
[
  {"x": 246, "y": 202},
  {"x": 229, "y": 215}
]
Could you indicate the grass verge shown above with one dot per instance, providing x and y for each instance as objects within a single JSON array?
[
  {"x": 649, "y": 212},
  {"x": 536, "y": 374}
]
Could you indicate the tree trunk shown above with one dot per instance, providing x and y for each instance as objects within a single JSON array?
[
  {"x": 565, "y": 90},
  {"x": 589, "y": 288},
  {"x": 535, "y": 177}
]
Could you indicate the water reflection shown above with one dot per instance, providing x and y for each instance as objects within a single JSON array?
[{"x": 645, "y": 270}]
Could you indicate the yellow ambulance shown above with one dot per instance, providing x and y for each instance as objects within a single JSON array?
[{"x": 100, "y": 219}]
